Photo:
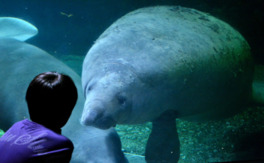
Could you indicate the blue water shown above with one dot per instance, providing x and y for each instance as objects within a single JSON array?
[
  {"x": 67, "y": 29},
  {"x": 60, "y": 34}
]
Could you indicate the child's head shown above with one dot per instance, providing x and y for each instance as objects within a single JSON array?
[{"x": 51, "y": 97}]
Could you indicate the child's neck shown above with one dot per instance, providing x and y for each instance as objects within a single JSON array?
[{"x": 57, "y": 130}]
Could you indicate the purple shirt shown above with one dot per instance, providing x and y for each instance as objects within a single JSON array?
[{"x": 27, "y": 141}]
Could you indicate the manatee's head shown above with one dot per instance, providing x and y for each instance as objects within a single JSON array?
[{"x": 109, "y": 100}]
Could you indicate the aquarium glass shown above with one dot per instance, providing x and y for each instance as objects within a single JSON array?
[{"x": 68, "y": 29}]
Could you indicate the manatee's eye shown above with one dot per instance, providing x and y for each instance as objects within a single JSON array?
[
  {"x": 90, "y": 88},
  {"x": 121, "y": 99}
]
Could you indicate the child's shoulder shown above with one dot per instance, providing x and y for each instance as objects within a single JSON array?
[{"x": 35, "y": 132}]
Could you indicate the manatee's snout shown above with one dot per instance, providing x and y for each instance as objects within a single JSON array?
[
  {"x": 89, "y": 118},
  {"x": 94, "y": 114}
]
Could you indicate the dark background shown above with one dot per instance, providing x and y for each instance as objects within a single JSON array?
[{"x": 59, "y": 34}]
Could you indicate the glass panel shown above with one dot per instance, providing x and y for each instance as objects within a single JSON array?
[{"x": 216, "y": 74}]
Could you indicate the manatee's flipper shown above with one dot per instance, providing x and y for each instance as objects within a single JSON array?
[
  {"x": 96, "y": 146},
  {"x": 163, "y": 145},
  {"x": 16, "y": 28},
  {"x": 258, "y": 86}
]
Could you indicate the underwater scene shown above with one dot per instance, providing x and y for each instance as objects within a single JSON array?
[{"x": 159, "y": 81}]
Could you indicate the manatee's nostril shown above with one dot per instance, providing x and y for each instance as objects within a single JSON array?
[
  {"x": 90, "y": 118},
  {"x": 93, "y": 111},
  {"x": 96, "y": 114}
]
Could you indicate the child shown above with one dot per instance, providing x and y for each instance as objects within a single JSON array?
[{"x": 51, "y": 98}]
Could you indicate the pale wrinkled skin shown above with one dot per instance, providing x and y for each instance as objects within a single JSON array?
[
  {"x": 161, "y": 63},
  {"x": 165, "y": 58}
]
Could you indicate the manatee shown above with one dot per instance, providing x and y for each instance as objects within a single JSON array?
[
  {"x": 161, "y": 63},
  {"x": 16, "y": 28},
  {"x": 20, "y": 62}
]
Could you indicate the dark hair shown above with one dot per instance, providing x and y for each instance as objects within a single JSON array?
[{"x": 51, "y": 97}]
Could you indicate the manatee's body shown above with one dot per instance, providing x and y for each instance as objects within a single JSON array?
[
  {"x": 19, "y": 64},
  {"x": 165, "y": 60},
  {"x": 16, "y": 28}
]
